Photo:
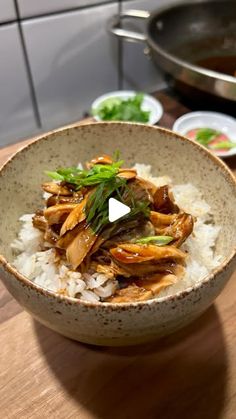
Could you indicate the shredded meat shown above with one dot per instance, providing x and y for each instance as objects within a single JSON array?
[
  {"x": 57, "y": 214},
  {"x": 163, "y": 201},
  {"x": 39, "y": 221},
  {"x": 142, "y": 269},
  {"x": 104, "y": 159},
  {"x": 61, "y": 199},
  {"x": 75, "y": 217},
  {"x": 56, "y": 189},
  {"x": 143, "y": 289},
  {"x": 80, "y": 246},
  {"x": 136, "y": 253},
  {"x": 179, "y": 226}
]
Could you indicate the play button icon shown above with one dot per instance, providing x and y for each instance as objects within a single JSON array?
[{"x": 116, "y": 209}]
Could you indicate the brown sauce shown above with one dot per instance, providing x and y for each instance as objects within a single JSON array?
[{"x": 221, "y": 64}]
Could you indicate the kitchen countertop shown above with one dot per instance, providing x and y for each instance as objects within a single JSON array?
[{"x": 191, "y": 374}]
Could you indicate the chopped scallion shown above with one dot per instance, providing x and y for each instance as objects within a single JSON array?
[{"x": 158, "y": 240}]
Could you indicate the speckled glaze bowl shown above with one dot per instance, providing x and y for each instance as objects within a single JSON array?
[{"x": 168, "y": 153}]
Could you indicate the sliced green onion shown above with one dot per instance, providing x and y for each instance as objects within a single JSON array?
[
  {"x": 158, "y": 240},
  {"x": 223, "y": 144},
  {"x": 205, "y": 135},
  {"x": 54, "y": 175},
  {"x": 94, "y": 176}
]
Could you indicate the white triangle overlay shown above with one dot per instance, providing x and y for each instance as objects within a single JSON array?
[{"x": 116, "y": 210}]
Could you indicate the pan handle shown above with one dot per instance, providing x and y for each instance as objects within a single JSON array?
[{"x": 114, "y": 25}]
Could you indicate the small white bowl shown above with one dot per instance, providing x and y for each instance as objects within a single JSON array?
[
  {"x": 215, "y": 120},
  {"x": 149, "y": 104}
]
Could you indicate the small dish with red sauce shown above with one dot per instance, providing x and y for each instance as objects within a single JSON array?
[{"x": 215, "y": 131}]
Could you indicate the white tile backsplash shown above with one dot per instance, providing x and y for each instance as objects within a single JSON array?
[
  {"x": 7, "y": 10},
  {"x": 73, "y": 61},
  {"x": 37, "y": 7},
  {"x": 72, "y": 58},
  {"x": 16, "y": 113}
]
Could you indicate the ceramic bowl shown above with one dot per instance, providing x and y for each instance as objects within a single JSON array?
[
  {"x": 215, "y": 120},
  {"x": 168, "y": 153},
  {"x": 149, "y": 103}
]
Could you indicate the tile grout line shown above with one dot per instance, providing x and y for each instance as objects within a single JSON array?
[
  {"x": 66, "y": 10},
  {"x": 28, "y": 69},
  {"x": 7, "y": 22},
  {"x": 120, "y": 53}
]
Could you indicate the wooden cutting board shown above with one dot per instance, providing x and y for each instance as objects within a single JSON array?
[{"x": 191, "y": 374}]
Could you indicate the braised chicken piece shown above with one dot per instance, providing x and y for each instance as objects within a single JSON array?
[
  {"x": 58, "y": 213},
  {"x": 127, "y": 173},
  {"x": 132, "y": 292},
  {"x": 140, "y": 250},
  {"x": 141, "y": 270},
  {"x": 179, "y": 226},
  {"x": 132, "y": 230},
  {"x": 75, "y": 217},
  {"x": 56, "y": 189},
  {"x": 138, "y": 189},
  {"x": 136, "y": 253},
  {"x": 64, "y": 241},
  {"x": 163, "y": 201},
  {"x": 143, "y": 289},
  {"x": 39, "y": 221},
  {"x": 80, "y": 246},
  {"x": 61, "y": 199},
  {"x": 51, "y": 235},
  {"x": 148, "y": 186},
  {"x": 156, "y": 282},
  {"x": 104, "y": 159},
  {"x": 160, "y": 221},
  {"x": 180, "y": 229}
]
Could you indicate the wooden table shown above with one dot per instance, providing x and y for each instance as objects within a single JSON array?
[{"x": 191, "y": 374}]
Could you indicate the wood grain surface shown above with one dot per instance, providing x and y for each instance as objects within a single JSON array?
[{"x": 191, "y": 374}]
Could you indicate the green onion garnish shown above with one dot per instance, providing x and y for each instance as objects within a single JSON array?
[
  {"x": 108, "y": 184},
  {"x": 205, "y": 135},
  {"x": 97, "y": 174},
  {"x": 223, "y": 144},
  {"x": 157, "y": 240}
]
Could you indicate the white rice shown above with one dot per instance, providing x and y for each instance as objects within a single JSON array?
[{"x": 39, "y": 265}]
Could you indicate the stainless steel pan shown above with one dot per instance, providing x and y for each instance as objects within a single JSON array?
[{"x": 181, "y": 36}]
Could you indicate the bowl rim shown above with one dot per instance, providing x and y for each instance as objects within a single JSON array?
[{"x": 7, "y": 266}]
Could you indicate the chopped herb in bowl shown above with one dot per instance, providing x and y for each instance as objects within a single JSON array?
[{"x": 117, "y": 109}]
